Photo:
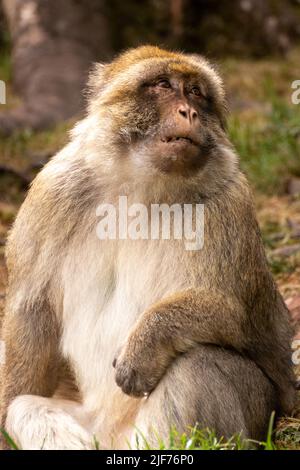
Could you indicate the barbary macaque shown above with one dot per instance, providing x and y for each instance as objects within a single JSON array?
[{"x": 150, "y": 334}]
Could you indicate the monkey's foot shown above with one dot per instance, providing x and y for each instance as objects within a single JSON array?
[{"x": 35, "y": 424}]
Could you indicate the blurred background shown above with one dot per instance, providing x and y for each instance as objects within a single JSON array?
[{"x": 47, "y": 48}]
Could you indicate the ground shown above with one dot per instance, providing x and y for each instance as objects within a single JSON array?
[{"x": 265, "y": 128}]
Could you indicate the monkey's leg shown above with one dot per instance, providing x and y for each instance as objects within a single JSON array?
[
  {"x": 211, "y": 387},
  {"x": 48, "y": 423},
  {"x": 30, "y": 335}
]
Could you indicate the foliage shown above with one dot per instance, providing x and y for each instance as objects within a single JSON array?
[{"x": 269, "y": 153}]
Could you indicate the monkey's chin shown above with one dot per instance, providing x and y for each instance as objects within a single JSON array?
[{"x": 184, "y": 160}]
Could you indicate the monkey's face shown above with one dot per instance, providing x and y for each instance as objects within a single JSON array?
[
  {"x": 166, "y": 110},
  {"x": 180, "y": 136}
]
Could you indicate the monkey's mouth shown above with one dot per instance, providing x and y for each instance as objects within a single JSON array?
[{"x": 178, "y": 139}]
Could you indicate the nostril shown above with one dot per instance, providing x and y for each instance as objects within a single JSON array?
[
  {"x": 194, "y": 115},
  {"x": 183, "y": 112}
]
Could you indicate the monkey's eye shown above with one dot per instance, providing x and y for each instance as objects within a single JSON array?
[
  {"x": 195, "y": 90},
  {"x": 163, "y": 83}
]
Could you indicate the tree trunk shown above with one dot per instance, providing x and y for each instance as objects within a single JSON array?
[{"x": 54, "y": 45}]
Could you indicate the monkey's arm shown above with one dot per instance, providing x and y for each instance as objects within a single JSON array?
[
  {"x": 195, "y": 316},
  {"x": 178, "y": 323},
  {"x": 175, "y": 325}
]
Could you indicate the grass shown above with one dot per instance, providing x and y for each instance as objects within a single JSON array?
[
  {"x": 286, "y": 437},
  {"x": 11, "y": 443},
  {"x": 197, "y": 439},
  {"x": 288, "y": 434},
  {"x": 24, "y": 148},
  {"x": 269, "y": 152}
]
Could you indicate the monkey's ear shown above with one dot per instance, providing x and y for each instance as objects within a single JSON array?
[{"x": 96, "y": 80}]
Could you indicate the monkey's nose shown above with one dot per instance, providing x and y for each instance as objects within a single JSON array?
[{"x": 188, "y": 112}]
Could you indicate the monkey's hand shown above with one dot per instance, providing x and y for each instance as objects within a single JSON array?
[
  {"x": 174, "y": 326},
  {"x": 139, "y": 366}
]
